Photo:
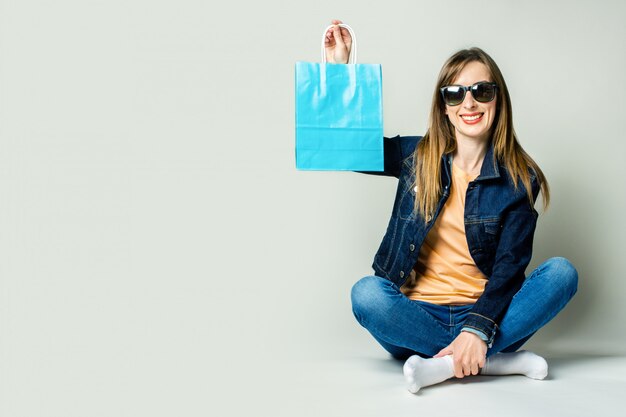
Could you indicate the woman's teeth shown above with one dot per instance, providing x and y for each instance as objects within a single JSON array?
[{"x": 470, "y": 118}]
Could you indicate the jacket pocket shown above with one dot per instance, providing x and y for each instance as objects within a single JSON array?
[
  {"x": 492, "y": 228},
  {"x": 491, "y": 232}
]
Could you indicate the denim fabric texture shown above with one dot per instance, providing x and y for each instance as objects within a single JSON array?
[
  {"x": 407, "y": 327},
  {"x": 499, "y": 227}
]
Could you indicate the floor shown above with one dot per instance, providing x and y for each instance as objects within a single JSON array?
[
  {"x": 372, "y": 385},
  {"x": 289, "y": 380}
]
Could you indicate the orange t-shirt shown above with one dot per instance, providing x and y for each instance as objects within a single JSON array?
[{"x": 445, "y": 273}]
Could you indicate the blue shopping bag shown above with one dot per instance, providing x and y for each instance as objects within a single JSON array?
[{"x": 339, "y": 116}]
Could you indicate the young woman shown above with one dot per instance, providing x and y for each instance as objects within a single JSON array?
[{"x": 450, "y": 295}]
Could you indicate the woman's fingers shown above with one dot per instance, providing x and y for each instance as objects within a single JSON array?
[
  {"x": 444, "y": 352},
  {"x": 346, "y": 38},
  {"x": 468, "y": 354},
  {"x": 337, "y": 42},
  {"x": 466, "y": 366},
  {"x": 463, "y": 365},
  {"x": 329, "y": 32},
  {"x": 459, "y": 367},
  {"x": 475, "y": 368},
  {"x": 338, "y": 38},
  {"x": 328, "y": 38}
]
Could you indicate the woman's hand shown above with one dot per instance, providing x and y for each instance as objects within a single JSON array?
[
  {"x": 469, "y": 353},
  {"x": 337, "y": 43}
]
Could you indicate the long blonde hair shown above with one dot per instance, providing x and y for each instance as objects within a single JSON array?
[{"x": 440, "y": 138}]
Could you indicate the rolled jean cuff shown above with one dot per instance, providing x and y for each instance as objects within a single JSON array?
[
  {"x": 477, "y": 332},
  {"x": 483, "y": 325}
]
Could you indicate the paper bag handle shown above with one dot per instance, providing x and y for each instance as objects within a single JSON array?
[{"x": 352, "y": 56}]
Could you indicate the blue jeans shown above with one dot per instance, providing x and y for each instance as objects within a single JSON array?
[{"x": 407, "y": 327}]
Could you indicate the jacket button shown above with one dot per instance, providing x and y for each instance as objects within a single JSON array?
[
  {"x": 411, "y": 247},
  {"x": 401, "y": 274}
]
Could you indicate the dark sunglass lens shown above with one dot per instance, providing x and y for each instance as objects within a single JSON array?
[
  {"x": 453, "y": 95},
  {"x": 484, "y": 92}
]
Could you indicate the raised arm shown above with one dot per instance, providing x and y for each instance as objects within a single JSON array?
[
  {"x": 338, "y": 44},
  {"x": 397, "y": 149}
]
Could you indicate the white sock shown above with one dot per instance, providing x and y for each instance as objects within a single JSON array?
[
  {"x": 522, "y": 362},
  {"x": 420, "y": 372}
]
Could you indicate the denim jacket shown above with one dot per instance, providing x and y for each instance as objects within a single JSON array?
[{"x": 499, "y": 227}]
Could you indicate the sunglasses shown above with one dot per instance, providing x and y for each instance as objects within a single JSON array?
[{"x": 483, "y": 92}]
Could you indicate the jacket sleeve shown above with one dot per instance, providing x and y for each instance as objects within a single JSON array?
[
  {"x": 513, "y": 255},
  {"x": 396, "y": 149}
]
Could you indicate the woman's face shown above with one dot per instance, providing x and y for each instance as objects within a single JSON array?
[{"x": 471, "y": 119}]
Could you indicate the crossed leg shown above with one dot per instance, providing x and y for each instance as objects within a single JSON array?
[{"x": 386, "y": 313}]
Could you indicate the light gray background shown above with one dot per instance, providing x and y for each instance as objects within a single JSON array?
[{"x": 160, "y": 254}]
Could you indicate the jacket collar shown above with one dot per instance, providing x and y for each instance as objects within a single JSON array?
[{"x": 489, "y": 170}]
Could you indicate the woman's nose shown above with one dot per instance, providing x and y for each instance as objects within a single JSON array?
[{"x": 468, "y": 101}]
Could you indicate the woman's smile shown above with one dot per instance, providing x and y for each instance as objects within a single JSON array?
[{"x": 472, "y": 118}]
